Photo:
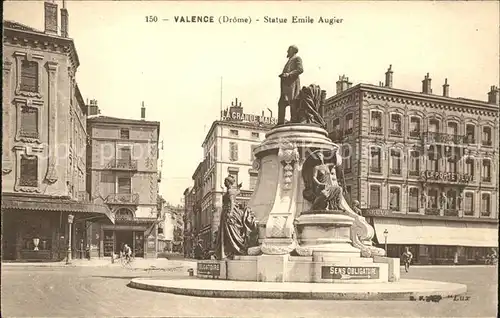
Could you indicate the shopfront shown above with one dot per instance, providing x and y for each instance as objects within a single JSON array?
[{"x": 437, "y": 241}]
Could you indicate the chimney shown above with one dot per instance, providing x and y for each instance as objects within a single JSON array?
[
  {"x": 446, "y": 88},
  {"x": 343, "y": 84},
  {"x": 50, "y": 17},
  {"x": 494, "y": 95},
  {"x": 426, "y": 85},
  {"x": 388, "y": 77},
  {"x": 92, "y": 108},
  {"x": 64, "y": 20},
  {"x": 143, "y": 111}
]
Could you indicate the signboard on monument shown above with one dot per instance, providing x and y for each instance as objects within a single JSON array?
[
  {"x": 207, "y": 268},
  {"x": 349, "y": 272}
]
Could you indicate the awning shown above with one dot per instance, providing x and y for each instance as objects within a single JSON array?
[
  {"x": 433, "y": 232},
  {"x": 82, "y": 210}
]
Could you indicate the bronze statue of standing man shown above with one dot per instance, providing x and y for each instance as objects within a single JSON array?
[{"x": 290, "y": 85}]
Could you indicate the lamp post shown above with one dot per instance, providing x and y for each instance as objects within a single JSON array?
[
  {"x": 70, "y": 222},
  {"x": 386, "y": 233}
]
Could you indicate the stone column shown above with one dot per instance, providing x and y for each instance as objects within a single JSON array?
[
  {"x": 51, "y": 176},
  {"x": 7, "y": 121}
]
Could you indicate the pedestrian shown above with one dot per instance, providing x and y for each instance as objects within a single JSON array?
[
  {"x": 455, "y": 258},
  {"x": 407, "y": 257}
]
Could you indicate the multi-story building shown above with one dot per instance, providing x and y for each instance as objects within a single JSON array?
[
  {"x": 424, "y": 167},
  {"x": 228, "y": 150},
  {"x": 45, "y": 208},
  {"x": 122, "y": 170},
  {"x": 188, "y": 219}
]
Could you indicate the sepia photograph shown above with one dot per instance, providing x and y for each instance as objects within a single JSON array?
[{"x": 250, "y": 158}]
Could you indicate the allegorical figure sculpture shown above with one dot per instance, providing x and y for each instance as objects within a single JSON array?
[
  {"x": 310, "y": 105},
  {"x": 237, "y": 224},
  {"x": 290, "y": 85},
  {"x": 320, "y": 180}
]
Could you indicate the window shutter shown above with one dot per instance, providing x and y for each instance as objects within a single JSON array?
[
  {"x": 29, "y": 122},
  {"x": 29, "y": 76}
]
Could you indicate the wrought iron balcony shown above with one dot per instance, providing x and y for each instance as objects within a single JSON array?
[
  {"x": 376, "y": 130},
  {"x": 395, "y": 132},
  {"x": 440, "y": 176},
  {"x": 122, "y": 198},
  {"x": 28, "y": 133},
  {"x": 396, "y": 171},
  {"x": 414, "y": 173},
  {"x": 415, "y": 133},
  {"x": 487, "y": 143},
  {"x": 28, "y": 182},
  {"x": 485, "y": 213},
  {"x": 486, "y": 179},
  {"x": 451, "y": 212},
  {"x": 376, "y": 169},
  {"x": 443, "y": 138},
  {"x": 431, "y": 211},
  {"x": 122, "y": 164}
]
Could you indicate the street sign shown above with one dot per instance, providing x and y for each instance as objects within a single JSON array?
[
  {"x": 349, "y": 272},
  {"x": 209, "y": 269}
]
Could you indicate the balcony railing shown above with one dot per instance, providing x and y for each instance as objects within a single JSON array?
[
  {"x": 436, "y": 137},
  {"x": 28, "y": 182},
  {"x": 122, "y": 198},
  {"x": 432, "y": 211},
  {"x": 414, "y": 173},
  {"x": 486, "y": 179},
  {"x": 122, "y": 164},
  {"x": 415, "y": 133},
  {"x": 486, "y": 143},
  {"x": 375, "y": 169},
  {"x": 395, "y": 132},
  {"x": 376, "y": 130},
  {"x": 451, "y": 212},
  {"x": 469, "y": 139},
  {"x": 485, "y": 213},
  {"x": 396, "y": 171},
  {"x": 440, "y": 176}
]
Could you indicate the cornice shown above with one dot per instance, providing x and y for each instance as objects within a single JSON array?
[
  {"x": 376, "y": 93},
  {"x": 42, "y": 41}
]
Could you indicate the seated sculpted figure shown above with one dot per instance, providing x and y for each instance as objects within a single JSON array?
[
  {"x": 320, "y": 180},
  {"x": 237, "y": 224}
]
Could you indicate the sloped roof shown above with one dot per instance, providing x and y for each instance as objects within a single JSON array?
[{"x": 117, "y": 120}]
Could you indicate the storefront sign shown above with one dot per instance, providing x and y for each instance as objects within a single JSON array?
[
  {"x": 209, "y": 269},
  {"x": 239, "y": 116},
  {"x": 446, "y": 176},
  {"x": 349, "y": 272}
]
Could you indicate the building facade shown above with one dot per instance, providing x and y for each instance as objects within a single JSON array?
[
  {"x": 228, "y": 150},
  {"x": 122, "y": 158},
  {"x": 45, "y": 207},
  {"x": 424, "y": 167}
]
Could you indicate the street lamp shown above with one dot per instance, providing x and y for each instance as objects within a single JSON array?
[
  {"x": 386, "y": 233},
  {"x": 70, "y": 221}
]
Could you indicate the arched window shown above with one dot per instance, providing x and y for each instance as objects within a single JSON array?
[
  {"x": 375, "y": 160},
  {"x": 486, "y": 138},
  {"x": 413, "y": 200},
  {"x": 376, "y": 126},
  {"x": 124, "y": 214}
]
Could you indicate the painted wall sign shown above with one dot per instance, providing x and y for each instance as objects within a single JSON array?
[
  {"x": 349, "y": 272},
  {"x": 235, "y": 115},
  {"x": 209, "y": 269}
]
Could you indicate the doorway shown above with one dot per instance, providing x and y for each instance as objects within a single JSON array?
[{"x": 122, "y": 238}]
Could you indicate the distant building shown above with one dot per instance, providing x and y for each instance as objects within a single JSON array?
[
  {"x": 423, "y": 166},
  {"x": 228, "y": 150},
  {"x": 44, "y": 137},
  {"x": 123, "y": 174}
]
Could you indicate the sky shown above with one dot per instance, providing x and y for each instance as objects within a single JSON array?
[{"x": 176, "y": 69}]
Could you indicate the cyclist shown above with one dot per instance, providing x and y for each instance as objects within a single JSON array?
[
  {"x": 407, "y": 256},
  {"x": 127, "y": 251}
]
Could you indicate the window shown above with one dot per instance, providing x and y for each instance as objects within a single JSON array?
[
  {"x": 395, "y": 162},
  {"x": 233, "y": 151},
  {"x": 348, "y": 189},
  {"x": 29, "y": 172},
  {"x": 29, "y": 76},
  {"x": 347, "y": 160},
  {"x": 486, "y": 140},
  {"x": 376, "y": 160},
  {"x": 486, "y": 171},
  {"x": 124, "y": 134},
  {"x": 451, "y": 197},
  {"x": 415, "y": 127},
  {"x": 124, "y": 185},
  {"x": 394, "y": 199},
  {"x": 414, "y": 163},
  {"x": 252, "y": 155},
  {"x": 434, "y": 125},
  {"x": 253, "y": 180},
  {"x": 469, "y": 133},
  {"x": 485, "y": 204},
  {"x": 336, "y": 133},
  {"x": 395, "y": 125},
  {"x": 433, "y": 199},
  {"x": 469, "y": 167},
  {"x": 469, "y": 204},
  {"x": 125, "y": 154},
  {"x": 452, "y": 128},
  {"x": 375, "y": 197},
  {"x": 413, "y": 200},
  {"x": 349, "y": 124},
  {"x": 336, "y": 124},
  {"x": 235, "y": 176},
  {"x": 376, "y": 122},
  {"x": 255, "y": 135},
  {"x": 451, "y": 164},
  {"x": 29, "y": 122},
  {"x": 432, "y": 162},
  {"x": 233, "y": 132}
]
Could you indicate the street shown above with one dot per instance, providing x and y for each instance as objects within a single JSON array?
[{"x": 103, "y": 292}]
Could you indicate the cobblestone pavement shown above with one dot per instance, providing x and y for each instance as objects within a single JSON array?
[{"x": 103, "y": 292}]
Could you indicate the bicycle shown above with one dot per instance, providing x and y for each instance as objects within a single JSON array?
[{"x": 126, "y": 261}]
